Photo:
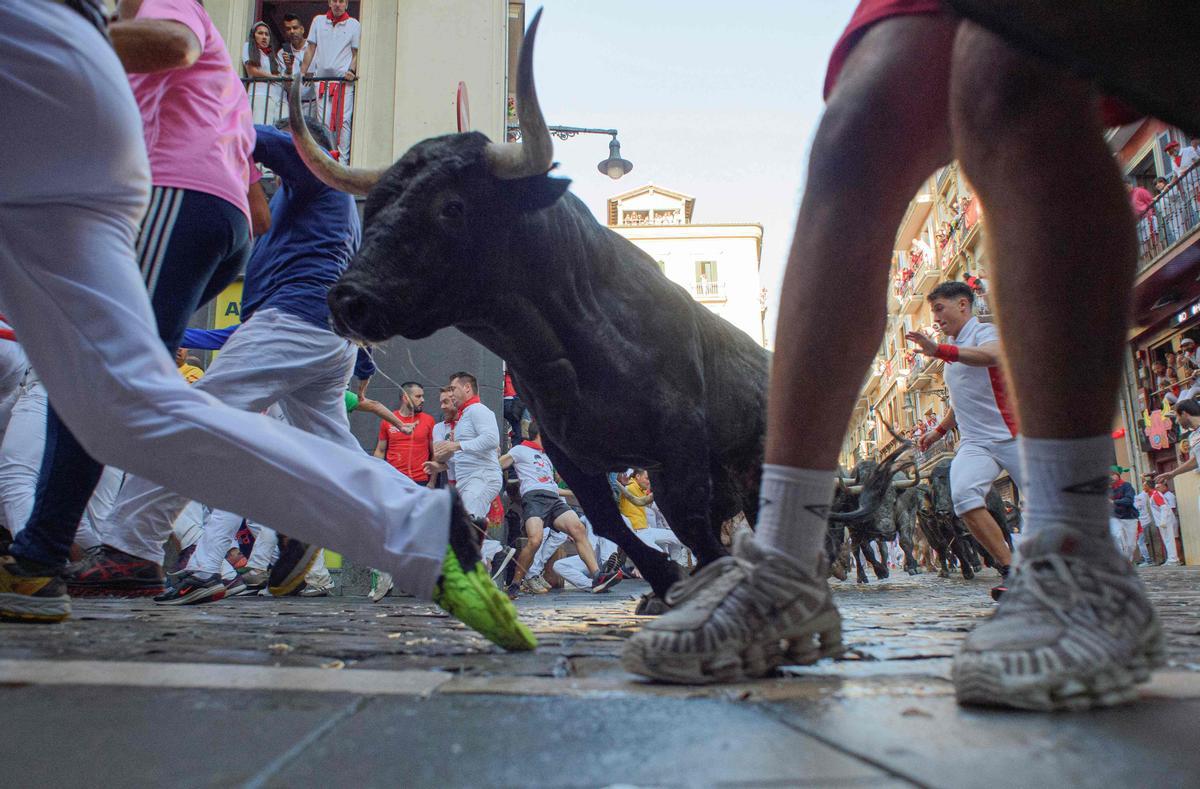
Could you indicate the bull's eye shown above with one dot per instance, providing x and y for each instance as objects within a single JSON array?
[{"x": 453, "y": 209}]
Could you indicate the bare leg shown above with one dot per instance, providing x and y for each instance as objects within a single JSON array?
[
  {"x": 983, "y": 527},
  {"x": 534, "y": 532},
  {"x": 569, "y": 522}
]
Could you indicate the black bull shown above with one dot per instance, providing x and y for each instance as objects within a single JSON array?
[
  {"x": 620, "y": 366},
  {"x": 946, "y": 533}
]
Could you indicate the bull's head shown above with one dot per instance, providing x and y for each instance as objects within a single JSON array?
[
  {"x": 876, "y": 481},
  {"x": 939, "y": 480},
  {"x": 438, "y": 220}
]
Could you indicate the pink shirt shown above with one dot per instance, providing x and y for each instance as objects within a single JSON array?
[{"x": 197, "y": 123}]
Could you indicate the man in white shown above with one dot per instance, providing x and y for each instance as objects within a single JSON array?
[
  {"x": 291, "y": 59},
  {"x": 1141, "y": 502},
  {"x": 1162, "y": 507},
  {"x": 979, "y": 407},
  {"x": 332, "y": 52},
  {"x": 542, "y": 505},
  {"x": 474, "y": 450}
]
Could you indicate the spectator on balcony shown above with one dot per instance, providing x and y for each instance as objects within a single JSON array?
[
  {"x": 1142, "y": 201},
  {"x": 333, "y": 39},
  {"x": 1169, "y": 210},
  {"x": 1187, "y": 350},
  {"x": 290, "y": 59},
  {"x": 259, "y": 63}
]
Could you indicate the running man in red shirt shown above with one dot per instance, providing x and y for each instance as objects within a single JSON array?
[
  {"x": 910, "y": 87},
  {"x": 408, "y": 445}
]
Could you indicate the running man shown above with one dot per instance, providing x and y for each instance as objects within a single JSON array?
[
  {"x": 980, "y": 408},
  {"x": 909, "y": 87}
]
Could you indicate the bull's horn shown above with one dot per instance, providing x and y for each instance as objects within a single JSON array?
[
  {"x": 854, "y": 489},
  {"x": 332, "y": 173},
  {"x": 534, "y": 155},
  {"x": 903, "y": 484}
]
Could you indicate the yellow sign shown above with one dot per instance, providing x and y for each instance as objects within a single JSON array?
[{"x": 229, "y": 306}]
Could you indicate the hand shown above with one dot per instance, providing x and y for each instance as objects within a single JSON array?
[
  {"x": 927, "y": 346},
  {"x": 1161, "y": 478},
  {"x": 288, "y": 59},
  {"x": 432, "y": 467},
  {"x": 927, "y": 440},
  {"x": 408, "y": 429},
  {"x": 444, "y": 450},
  {"x": 349, "y": 76}
]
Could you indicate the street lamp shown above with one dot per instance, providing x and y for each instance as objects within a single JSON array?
[{"x": 614, "y": 166}]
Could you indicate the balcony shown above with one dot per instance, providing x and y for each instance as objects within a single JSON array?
[
  {"x": 324, "y": 101},
  {"x": 1171, "y": 221},
  {"x": 709, "y": 291}
]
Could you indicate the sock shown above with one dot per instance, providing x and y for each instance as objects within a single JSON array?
[
  {"x": 1066, "y": 481},
  {"x": 793, "y": 511}
]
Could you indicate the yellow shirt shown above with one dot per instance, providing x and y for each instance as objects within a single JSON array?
[
  {"x": 635, "y": 513},
  {"x": 190, "y": 372}
]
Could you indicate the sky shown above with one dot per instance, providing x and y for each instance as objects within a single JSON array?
[{"x": 718, "y": 100}]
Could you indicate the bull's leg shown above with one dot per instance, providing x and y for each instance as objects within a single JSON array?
[
  {"x": 907, "y": 548},
  {"x": 595, "y": 496},
  {"x": 856, "y": 548},
  {"x": 684, "y": 491},
  {"x": 963, "y": 552},
  {"x": 881, "y": 566}
]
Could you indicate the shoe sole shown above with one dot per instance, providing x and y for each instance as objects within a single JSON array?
[
  {"x": 604, "y": 586},
  {"x": 503, "y": 627},
  {"x": 296, "y": 576},
  {"x": 375, "y": 595},
  {"x": 247, "y": 591},
  {"x": 978, "y": 684},
  {"x": 39, "y": 610},
  {"x": 203, "y": 594},
  {"x": 821, "y": 638}
]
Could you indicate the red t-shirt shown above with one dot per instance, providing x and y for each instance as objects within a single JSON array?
[{"x": 407, "y": 452}]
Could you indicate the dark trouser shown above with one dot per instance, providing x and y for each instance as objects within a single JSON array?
[
  {"x": 514, "y": 409},
  {"x": 191, "y": 246}
]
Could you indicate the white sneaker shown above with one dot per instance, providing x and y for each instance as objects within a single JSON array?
[
  {"x": 381, "y": 584},
  {"x": 1074, "y": 631},
  {"x": 741, "y": 616},
  {"x": 1173, "y": 563}
]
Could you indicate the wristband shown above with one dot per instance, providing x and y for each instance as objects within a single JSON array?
[
  {"x": 946, "y": 352},
  {"x": 941, "y": 431}
]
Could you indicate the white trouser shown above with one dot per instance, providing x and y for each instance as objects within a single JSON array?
[
  {"x": 74, "y": 295},
  {"x": 1167, "y": 531},
  {"x": 1124, "y": 533},
  {"x": 478, "y": 491},
  {"x": 975, "y": 467},
  {"x": 1143, "y": 537},
  {"x": 266, "y": 547},
  {"x": 574, "y": 571},
  {"x": 13, "y": 365},
  {"x": 327, "y": 118},
  {"x": 189, "y": 526},
  {"x": 551, "y": 540},
  {"x": 21, "y": 458},
  {"x": 666, "y": 541}
]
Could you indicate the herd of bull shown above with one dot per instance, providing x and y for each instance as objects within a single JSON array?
[{"x": 920, "y": 513}]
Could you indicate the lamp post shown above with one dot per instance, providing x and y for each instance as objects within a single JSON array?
[{"x": 614, "y": 166}]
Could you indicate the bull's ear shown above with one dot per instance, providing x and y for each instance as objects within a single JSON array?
[{"x": 538, "y": 192}]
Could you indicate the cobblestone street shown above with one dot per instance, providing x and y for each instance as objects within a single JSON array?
[{"x": 264, "y": 692}]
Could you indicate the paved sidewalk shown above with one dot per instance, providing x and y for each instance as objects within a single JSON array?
[{"x": 341, "y": 692}]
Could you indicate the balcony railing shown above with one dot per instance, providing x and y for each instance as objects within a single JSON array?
[
  {"x": 1172, "y": 216},
  {"x": 709, "y": 290},
  {"x": 329, "y": 101}
]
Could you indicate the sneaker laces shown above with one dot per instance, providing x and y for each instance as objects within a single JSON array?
[
  {"x": 682, "y": 591},
  {"x": 1054, "y": 581}
]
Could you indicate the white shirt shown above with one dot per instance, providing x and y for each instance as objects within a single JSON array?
[
  {"x": 1165, "y": 512},
  {"x": 982, "y": 407},
  {"x": 1187, "y": 157},
  {"x": 533, "y": 468},
  {"x": 334, "y": 45},
  {"x": 309, "y": 91},
  {"x": 1142, "y": 502},
  {"x": 442, "y": 432},
  {"x": 478, "y": 439}
]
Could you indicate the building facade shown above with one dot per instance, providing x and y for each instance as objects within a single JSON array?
[{"x": 717, "y": 263}]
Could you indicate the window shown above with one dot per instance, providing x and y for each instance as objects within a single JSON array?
[
  {"x": 706, "y": 271},
  {"x": 662, "y": 266}
]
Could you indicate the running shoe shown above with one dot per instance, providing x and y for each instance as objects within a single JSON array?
[
  {"x": 1074, "y": 631},
  {"x": 31, "y": 592},
  {"x": 740, "y": 616},
  {"x": 537, "y": 585},
  {"x": 607, "y": 579},
  {"x": 235, "y": 587},
  {"x": 181, "y": 561},
  {"x": 312, "y": 590},
  {"x": 191, "y": 588},
  {"x": 109, "y": 572},
  {"x": 465, "y": 588},
  {"x": 381, "y": 584},
  {"x": 255, "y": 580},
  {"x": 295, "y": 560}
]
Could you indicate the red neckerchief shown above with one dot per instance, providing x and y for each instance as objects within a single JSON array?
[
  {"x": 265, "y": 50},
  {"x": 1157, "y": 498},
  {"x": 533, "y": 445},
  {"x": 465, "y": 406},
  {"x": 329, "y": 15}
]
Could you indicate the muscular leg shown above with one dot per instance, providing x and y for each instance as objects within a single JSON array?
[
  {"x": 533, "y": 532},
  {"x": 983, "y": 527},
  {"x": 569, "y": 522}
]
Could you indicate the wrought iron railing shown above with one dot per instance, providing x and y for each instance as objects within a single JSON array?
[
  {"x": 709, "y": 289},
  {"x": 330, "y": 101},
  {"x": 1173, "y": 216}
]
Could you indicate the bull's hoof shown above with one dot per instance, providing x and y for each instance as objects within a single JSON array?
[
  {"x": 943, "y": 574},
  {"x": 862, "y": 579},
  {"x": 914, "y": 571},
  {"x": 967, "y": 572},
  {"x": 650, "y": 604}
]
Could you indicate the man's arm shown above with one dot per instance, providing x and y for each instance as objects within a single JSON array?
[
  {"x": 309, "y": 52},
  {"x": 381, "y": 449},
  {"x": 1190, "y": 465},
  {"x": 260, "y": 210},
  {"x": 149, "y": 45},
  {"x": 506, "y": 461},
  {"x": 947, "y": 424},
  {"x": 487, "y": 438},
  {"x": 353, "y": 70},
  {"x": 380, "y": 410},
  {"x": 986, "y": 355},
  {"x": 641, "y": 501}
]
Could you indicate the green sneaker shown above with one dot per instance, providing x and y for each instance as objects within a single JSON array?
[{"x": 472, "y": 598}]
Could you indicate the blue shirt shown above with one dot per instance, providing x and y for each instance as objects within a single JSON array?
[
  {"x": 214, "y": 340},
  {"x": 314, "y": 233}
]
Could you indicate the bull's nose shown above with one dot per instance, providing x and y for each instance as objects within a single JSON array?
[{"x": 352, "y": 309}]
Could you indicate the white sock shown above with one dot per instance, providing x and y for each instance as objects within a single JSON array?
[
  {"x": 793, "y": 511},
  {"x": 1066, "y": 481}
]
